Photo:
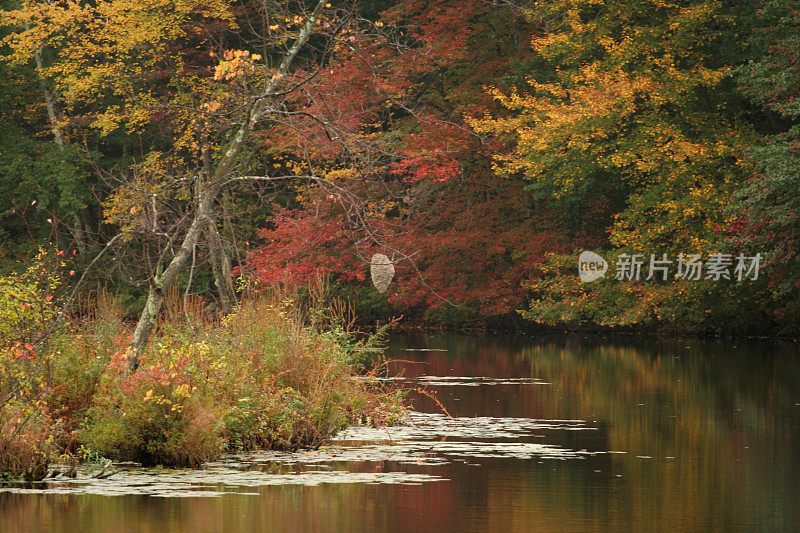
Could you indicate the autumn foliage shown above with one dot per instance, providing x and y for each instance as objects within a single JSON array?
[{"x": 480, "y": 145}]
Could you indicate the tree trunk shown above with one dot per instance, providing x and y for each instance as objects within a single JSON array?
[
  {"x": 162, "y": 282},
  {"x": 52, "y": 115},
  {"x": 221, "y": 265},
  {"x": 78, "y": 232},
  {"x": 50, "y": 101}
]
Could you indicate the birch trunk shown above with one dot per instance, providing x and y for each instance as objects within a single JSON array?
[{"x": 163, "y": 281}]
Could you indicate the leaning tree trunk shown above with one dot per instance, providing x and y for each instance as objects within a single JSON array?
[
  {"x": 161, "y": 282},
  {"x": 208, "y": 194}
]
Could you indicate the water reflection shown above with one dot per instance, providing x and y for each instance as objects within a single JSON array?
[{"x": 708, "y": 429}]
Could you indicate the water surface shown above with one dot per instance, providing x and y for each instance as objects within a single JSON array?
[{"x": 509, "y": 433}]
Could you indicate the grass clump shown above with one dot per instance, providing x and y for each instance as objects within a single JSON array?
[{"x": 263, "y": 377}]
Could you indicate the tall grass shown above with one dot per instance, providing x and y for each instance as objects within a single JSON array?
[{"x": 273, "y": 374}]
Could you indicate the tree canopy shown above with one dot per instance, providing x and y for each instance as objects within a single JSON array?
[{"x": 481, "y": 146}]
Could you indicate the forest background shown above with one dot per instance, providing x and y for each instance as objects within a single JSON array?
[{"x": 481, "y": 145}]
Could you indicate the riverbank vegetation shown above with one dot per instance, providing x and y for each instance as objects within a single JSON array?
[
  {"x": 217, "y": 149},
  {"x": 266, "y": 376}
]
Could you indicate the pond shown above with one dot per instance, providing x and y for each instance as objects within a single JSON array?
[{"x": 508, "y": 433}]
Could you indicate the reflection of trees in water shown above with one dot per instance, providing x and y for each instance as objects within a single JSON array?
[
  {"x": 725, "y": 411},
  {"x": 714, "y": 385},
  {"x": 722, "y": 411}
]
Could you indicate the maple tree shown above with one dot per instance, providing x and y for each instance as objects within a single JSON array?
[
  {"x": 631, "y": 100},
  {"x": 472, "y": 253},
  {"x": 458, "y": 234}
]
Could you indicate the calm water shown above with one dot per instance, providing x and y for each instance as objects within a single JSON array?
[{"x": 557, "y": 433}]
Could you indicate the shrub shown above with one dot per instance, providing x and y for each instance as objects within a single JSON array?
[
  {"x": 27, "y": 431},
  {"x": 27, "y": 305},
  {"x": 155, "y": 415},
  {"x": 273, "y": 374},
  {"x": 27, "y": 440},
  {"x": 80, "y": 355},
  {"x": 259, "y": 378}
]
